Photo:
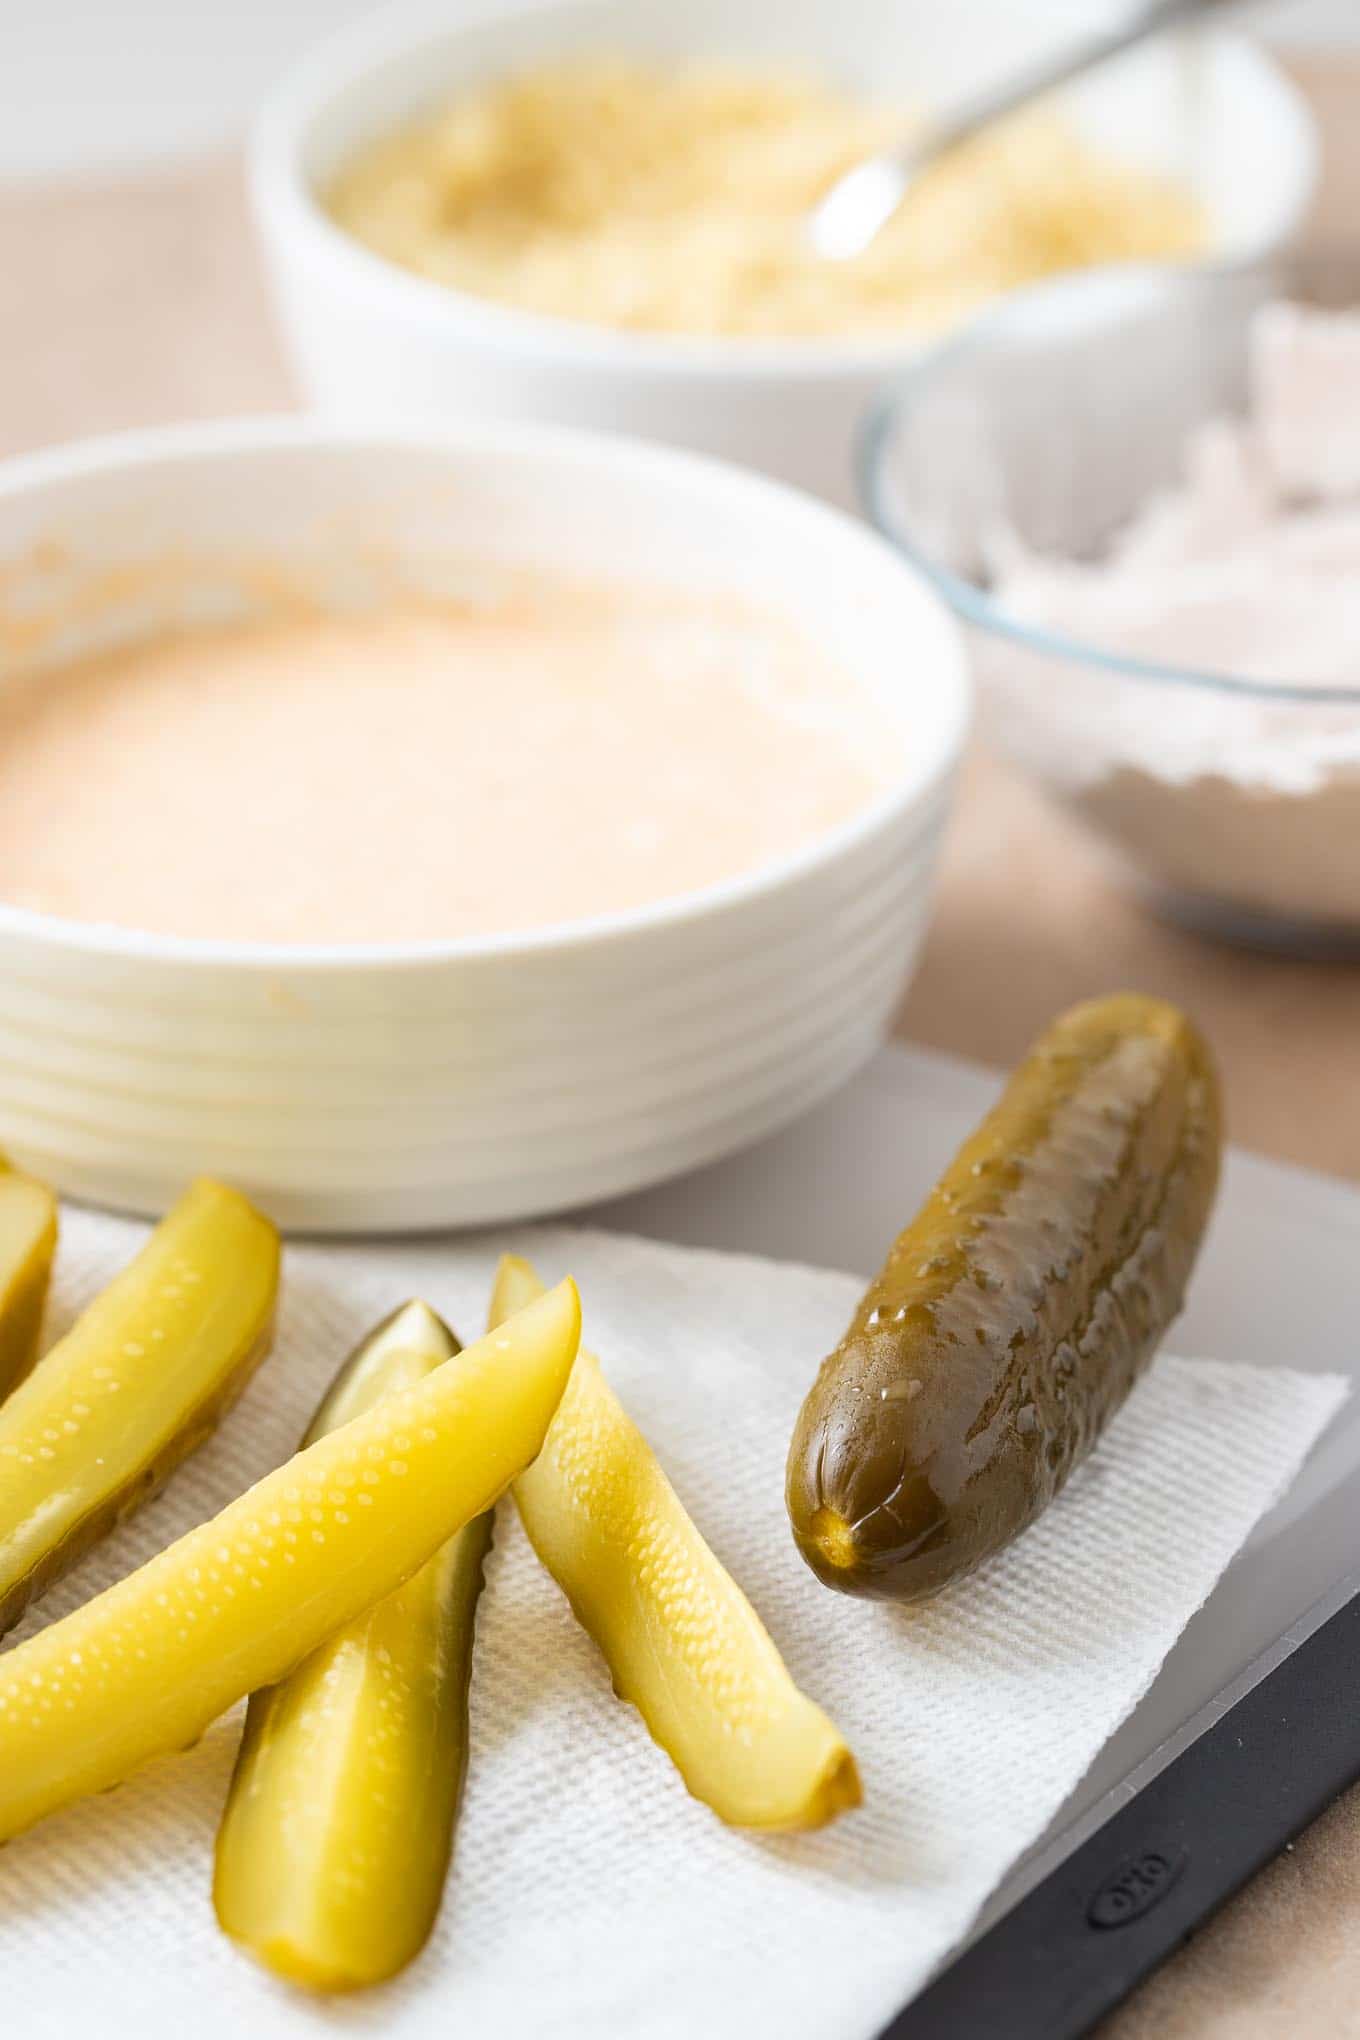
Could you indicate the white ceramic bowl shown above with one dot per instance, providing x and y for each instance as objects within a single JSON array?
[
  {"x": 367, "y": 335},
  {"x": 389, "y": 1088}
]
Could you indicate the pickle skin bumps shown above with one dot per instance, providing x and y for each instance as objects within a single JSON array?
[
  {"x": 1016, "y": 1311},
  {"x": 682, "y": 1642},
  {"x": 142, "y": 1378}
]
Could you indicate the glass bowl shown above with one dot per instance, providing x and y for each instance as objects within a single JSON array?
[{"x": 1232, "y": 801}]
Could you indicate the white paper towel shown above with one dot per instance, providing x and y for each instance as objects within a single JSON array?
[{"x": 590, "y": 1895}]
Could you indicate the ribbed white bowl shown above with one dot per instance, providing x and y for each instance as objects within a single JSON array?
[{"x": 383, "y": 1088}]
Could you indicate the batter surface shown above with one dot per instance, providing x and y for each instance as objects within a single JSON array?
[{"x": 428, "y": 771}]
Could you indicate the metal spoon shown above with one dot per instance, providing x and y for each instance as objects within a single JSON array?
[{"x": 851, "y": 215}]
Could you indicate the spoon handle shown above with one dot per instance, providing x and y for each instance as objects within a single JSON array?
[
  {"x": 848, "y": 217},
  {"x": 1054, "y": 71}
]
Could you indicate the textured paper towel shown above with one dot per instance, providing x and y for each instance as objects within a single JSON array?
[{"x": 589, "y": 1894}]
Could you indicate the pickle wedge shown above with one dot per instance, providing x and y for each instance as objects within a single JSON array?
[
  {"x": 335, "y": 1843},
  {"x": 240, "y": 1601},
  {"x": 136, "y": 1385},
  {"x": 1014, "y": 1314},
  {"x": 28, "y": 1241},
  {"x": 681, "y": 1640}
]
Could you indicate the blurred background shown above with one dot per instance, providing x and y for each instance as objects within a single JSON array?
[
  {"x": 133, "y": 293},
  {"x": 88, "y": 83}
]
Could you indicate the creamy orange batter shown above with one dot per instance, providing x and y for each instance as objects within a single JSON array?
[{"x": 425, "y": 771}]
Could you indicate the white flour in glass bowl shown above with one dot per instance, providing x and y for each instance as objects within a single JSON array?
[{"x": 1250, "y": 569}]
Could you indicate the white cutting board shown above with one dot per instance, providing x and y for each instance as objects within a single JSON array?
[{"x": 1278, "y": 1282}]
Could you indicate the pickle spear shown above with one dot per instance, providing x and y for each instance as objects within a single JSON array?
[
  {"x": 240, "y": 1601},
  {"x": 335, "y": 1843},
  {"x": 28, "y": 1241},
  {"x": 1014, "y": 1314},
  {"x": 137, "y": 1384},
  {"x": 681, "y": 1640}
]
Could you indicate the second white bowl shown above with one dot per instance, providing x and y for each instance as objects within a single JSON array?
[{"x": 366, "y": 335}]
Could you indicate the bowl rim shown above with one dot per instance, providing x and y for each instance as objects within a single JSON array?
[
  {"x": 339, "y": 62},
  {"x": 927, "y": 767},
  {"x": 974, "y": 604}
]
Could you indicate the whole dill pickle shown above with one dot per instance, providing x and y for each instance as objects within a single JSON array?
[{"x": 1015, "y": 1313}]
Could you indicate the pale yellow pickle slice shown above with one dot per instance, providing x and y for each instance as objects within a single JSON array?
[
  {"x": 28, "y": 1242},
  {"x": 335, "y": 1843},
  {"x": 242, "y": 1600},
  {"x": 682, "y": 1642},
  {"x": 137, "y": 1384}
]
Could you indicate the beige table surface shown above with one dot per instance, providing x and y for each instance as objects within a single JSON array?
[{"x": 139, "y": 301}]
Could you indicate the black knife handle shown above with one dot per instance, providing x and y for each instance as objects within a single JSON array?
[{"x": 1076, "y": 1945}]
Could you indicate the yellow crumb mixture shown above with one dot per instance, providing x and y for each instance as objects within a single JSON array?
[{"x": 628, "y": 197}]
